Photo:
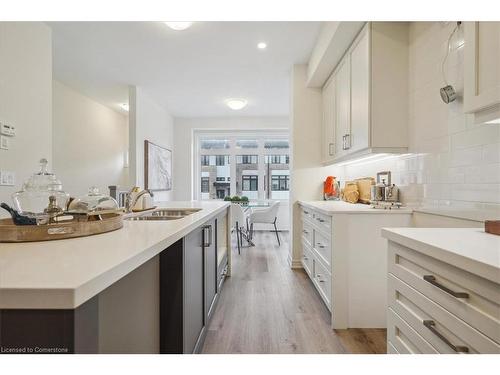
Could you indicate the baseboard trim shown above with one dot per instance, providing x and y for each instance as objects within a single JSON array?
[{"x": 294, "y": 264}]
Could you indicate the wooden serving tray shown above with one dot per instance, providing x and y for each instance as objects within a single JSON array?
[{"x": 9, "y": 232}]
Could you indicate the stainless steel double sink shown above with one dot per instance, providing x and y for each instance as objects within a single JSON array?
[{"x": 165, "y": 214}]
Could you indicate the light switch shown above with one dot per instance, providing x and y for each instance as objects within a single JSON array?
[
  {"x": 7, "y": 178},
  {"x": 4, "y": 142}
]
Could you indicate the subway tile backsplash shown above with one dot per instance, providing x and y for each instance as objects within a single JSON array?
[{"x": 453, "y": 163}]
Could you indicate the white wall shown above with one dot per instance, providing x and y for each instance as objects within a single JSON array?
[
  {"x": 184, "y": 141},
  {"x": 150, "y": 121},
  {"x": 89, "y": 142},
  {"x": 305, "y": 134},
  {"x": 454, "y": 164},
  {"x": 25, "y": 98}
]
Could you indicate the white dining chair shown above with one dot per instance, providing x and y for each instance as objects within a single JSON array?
[
  {"x": 265, "y": 216},
  {"x": 238, "y": 222}
]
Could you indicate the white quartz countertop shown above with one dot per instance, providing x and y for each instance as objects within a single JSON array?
[
  {"x": 338, "y": 207},
  {"x": 63, "y": 274},
  {"x": 470, "y": 214},
  {"x": 471, "y": 249}
]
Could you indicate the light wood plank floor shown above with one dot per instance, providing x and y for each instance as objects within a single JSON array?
[{"x": 266, "y": 307}]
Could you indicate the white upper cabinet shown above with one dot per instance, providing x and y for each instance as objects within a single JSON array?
[
  {"x": 342, "y": 108},
  {"x": 369, "y": 113},
  {"x": 328, "y": 93},
  {"x": 482, "y": 69},
  {"x": 360, "y": 93}
]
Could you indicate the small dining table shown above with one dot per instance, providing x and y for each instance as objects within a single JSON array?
[{"x": 255, "y": 204}]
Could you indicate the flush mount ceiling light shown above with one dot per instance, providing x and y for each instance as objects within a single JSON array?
[
  {"x": 236, "y": 104},
  {"x": 262, "y": 45},
  {"x": 124, "y": 106},
  {"x": 178, "y": 26}
]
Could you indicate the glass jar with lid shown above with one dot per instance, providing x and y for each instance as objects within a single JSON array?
[
  {"x": 93, "y": 203},
  {"x": 41, "y": 191}
]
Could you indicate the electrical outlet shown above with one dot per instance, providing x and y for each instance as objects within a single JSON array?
[
  {"x": 7, "y": 130},
  {"x": 7, "y": 178},
  {"x": 4, "y": 142}
]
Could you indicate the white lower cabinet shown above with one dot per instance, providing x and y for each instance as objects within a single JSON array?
[
  {"x": 434, "y": 307},
  {"x": 322, "y": 279},
  {"x": 316, "y": 252},
  {"x": 345, "y": 257}
]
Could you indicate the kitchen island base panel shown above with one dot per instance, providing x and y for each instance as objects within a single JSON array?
[{"x": 50, "y": 331}]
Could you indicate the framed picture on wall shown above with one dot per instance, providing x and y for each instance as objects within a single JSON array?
[{"x": 157, "y": 167}]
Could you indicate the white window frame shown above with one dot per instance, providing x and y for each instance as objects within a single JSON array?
[{"x": 232, "y": 136}]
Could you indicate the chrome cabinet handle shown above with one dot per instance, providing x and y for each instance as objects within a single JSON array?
[
  {"x": 320, "y": 245},
  {"x": 432, "y": 280},
  {"x": 306, "y": 258},
  {"x": 331, "y": 149},
  {"x": 207, "y": 241},
  {"x": 320, "y": 220},
  {"x": 430, "y": 324},
  {"x": 318, "y": 276},
  {"x": 346, "y": 142}
]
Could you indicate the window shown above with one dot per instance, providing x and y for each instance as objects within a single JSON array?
[
  {"x": 247, "y": 159},
  {"x": 214, "y": 144},
  {"x": 277, "y": 159},
  {"x": 205, "y": 160},
  {"x": 247, "y": 143},
  {"x": 280, "y": 183},
  {"x": 205, "y": 188},
  {"x": 221, "y": 160},
  {"x": 276, "y": 144},
  {"x": 241, "y": 163},
  {"x": 249, "y": 183}
]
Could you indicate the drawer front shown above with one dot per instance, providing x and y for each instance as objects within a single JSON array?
[
  {"x": 440, "y": 328},
  {"x": 323, "y": 222},
  {"x": 480, "y": 308},
  {"x": 322, "y": 279},
  {"x": 307, "y": 259},
  {"x": 323, "y": 248},
  {"x": 403, "y": 338},
  {"x": 307, "y": 232},
  {"x": 307, "y": 214}
]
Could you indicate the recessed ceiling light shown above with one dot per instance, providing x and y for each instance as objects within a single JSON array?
[
  {"x": 178, "y": 26},
  {"x": 262, "y": 45},
  {"x": 236, "y": 104},
  {"x": 124, "y": 106}
]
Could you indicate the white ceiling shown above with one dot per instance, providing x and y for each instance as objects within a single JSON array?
[{"x": 190, "y": 72}]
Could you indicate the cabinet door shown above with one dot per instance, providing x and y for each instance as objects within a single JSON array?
[
  {"x": 360, "y": 92},
  {"x": 210, "y": 250},
  {"x": 194, "y": 311},
  {"x": 482, "y": 62},
  {"x": 343, "y": 107},
  {"x": 328, "y": 120}
]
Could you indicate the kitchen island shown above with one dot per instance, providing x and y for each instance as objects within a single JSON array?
[{"x": 116, "y": 292}]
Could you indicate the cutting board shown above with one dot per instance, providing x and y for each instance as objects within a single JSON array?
[{"x": 364, "y": 188}]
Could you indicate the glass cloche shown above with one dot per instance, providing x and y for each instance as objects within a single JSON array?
[
  {"x": 93, "y": 203},
  {"x": 40, "y": 190}
]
